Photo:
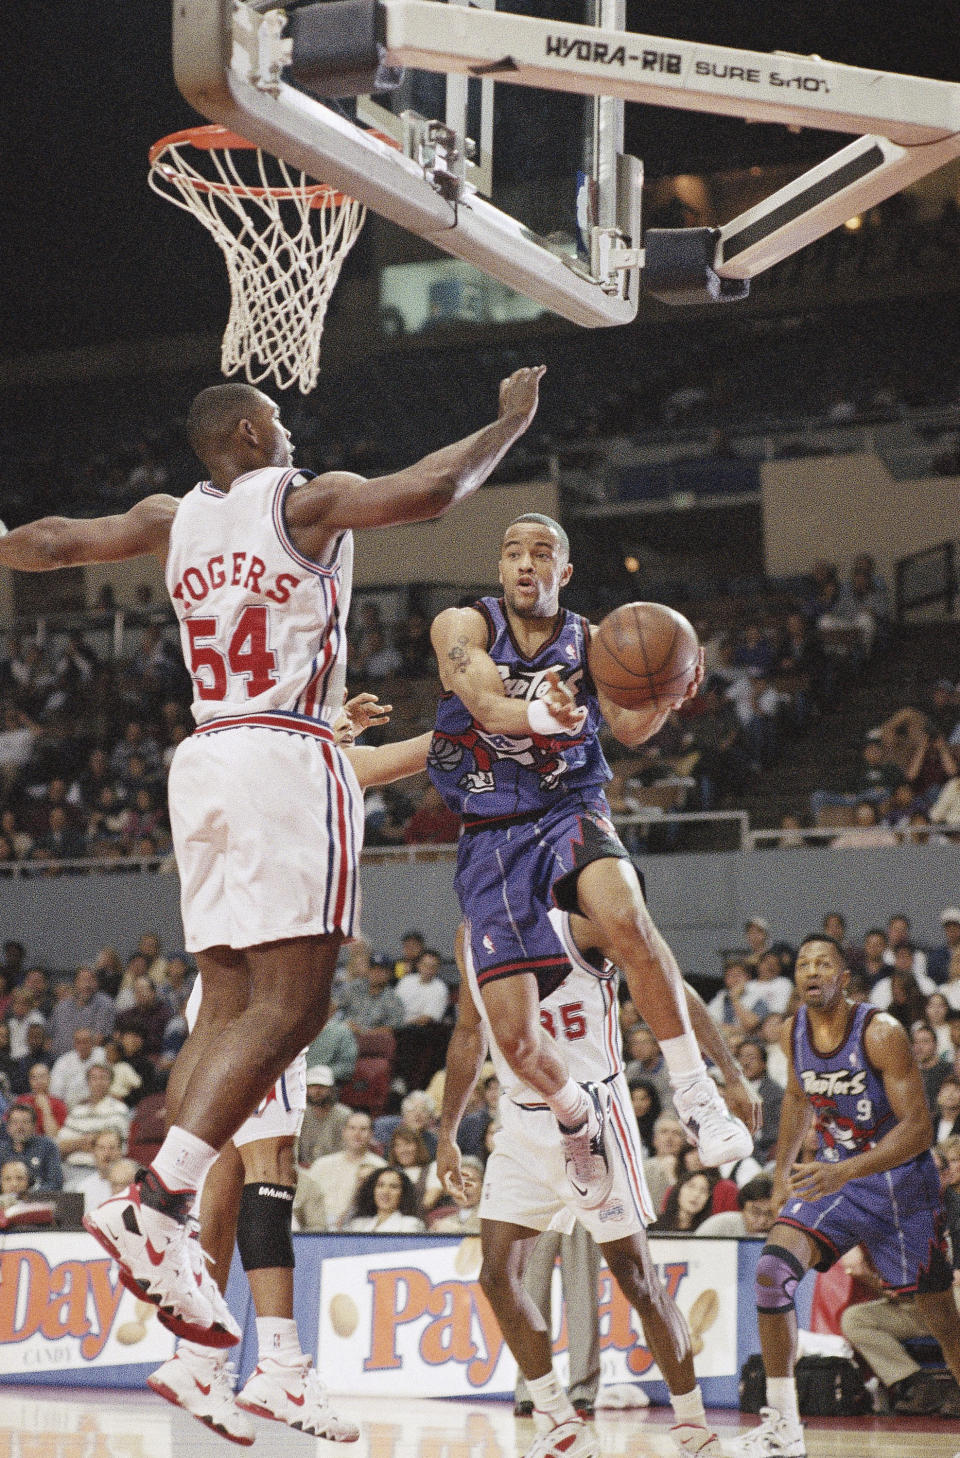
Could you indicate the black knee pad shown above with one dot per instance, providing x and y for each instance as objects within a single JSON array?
[{"x": 263, "y": 1228}]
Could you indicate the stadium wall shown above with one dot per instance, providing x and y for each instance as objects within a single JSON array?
[{"x": 701, "y": 902}]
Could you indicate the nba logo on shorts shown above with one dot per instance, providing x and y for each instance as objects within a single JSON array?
[{"x": 488, "y": 944}]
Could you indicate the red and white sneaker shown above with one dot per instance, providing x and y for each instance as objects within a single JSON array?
[
  {"x": 292, "y": 1393},
  {"x": 572, "y": 1439},
  {"x": 203, "y": 1383},
  {"x": 158, "y": 1266},
  {"x": 697, "y": 1440},
  {"x": 199, "y": 1265},
  {"x": 588, "y": 1165}
]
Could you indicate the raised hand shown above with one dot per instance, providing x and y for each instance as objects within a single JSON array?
[{"x": 520, "y": 392}]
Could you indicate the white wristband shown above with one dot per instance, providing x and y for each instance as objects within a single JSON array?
[{"x": 541, "y": 720}]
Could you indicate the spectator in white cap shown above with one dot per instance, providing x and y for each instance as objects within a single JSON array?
[
  {"x": 758, "y": 940},
  {"x": 938, "y": 958},
  {"x": 324, "y": 1117}
]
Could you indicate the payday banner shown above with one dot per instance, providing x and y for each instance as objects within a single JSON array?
[
  {"x": 62, "y": 1309},
  {"x": 413, "y": 1318}
]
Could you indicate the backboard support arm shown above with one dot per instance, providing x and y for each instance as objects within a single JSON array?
[{"x": 905, "y": 128}]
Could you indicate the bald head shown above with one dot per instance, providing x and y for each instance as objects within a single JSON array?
[{"x": 215, "y": 414}]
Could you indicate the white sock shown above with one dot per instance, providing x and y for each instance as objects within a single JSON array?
[
  {"x": 278, "y": 1338},
  {"x": 688, "y": 1407},
  {"x": 570, "y": 1106},
  {"x": 683, "y": 1060},
  {"x": 183, "y": 1160},
  {"x": 782, "y": 1394},
  {"x": 548, "y": 1397}
]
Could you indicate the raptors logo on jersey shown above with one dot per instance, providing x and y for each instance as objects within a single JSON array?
[
  {"x": 484, "y": 774},
  {"x": 262, "y": 627}
]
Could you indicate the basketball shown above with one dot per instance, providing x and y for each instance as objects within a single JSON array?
[{"x": 643, "y": 653}]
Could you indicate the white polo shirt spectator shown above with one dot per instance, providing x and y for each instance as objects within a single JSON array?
[
  {"x": 423, "y": 995},
  {"x": 96, "y": 1187},
  {"x": 20, "y": 1014},
  {"x": 68, "y": 1076}
]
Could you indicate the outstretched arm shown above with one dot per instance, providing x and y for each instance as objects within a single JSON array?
[
  {"x": 61, "y": 541},
  {"x": 381, "y": 764},
  {"x": 337, "y": 501}
]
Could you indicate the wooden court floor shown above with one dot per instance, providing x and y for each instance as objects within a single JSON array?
[{"x": 85, "y": 1422}]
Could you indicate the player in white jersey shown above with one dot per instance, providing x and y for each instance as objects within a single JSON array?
[
  {"x": 526, "y": 1191},
  {"x": 248, "y": 1196},
  {"x": 265, "y": 811}
]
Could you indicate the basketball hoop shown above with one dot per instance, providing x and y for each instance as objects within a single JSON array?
[{"x": 284, "y": 238}]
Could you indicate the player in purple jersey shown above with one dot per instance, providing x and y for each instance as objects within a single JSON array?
[
  {"x": 873, "y": 1183},
  {"x": 515, "y": 751}
]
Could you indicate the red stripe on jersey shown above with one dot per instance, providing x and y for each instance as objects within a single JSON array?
[
  {"x": 290, "y": 723},
  {"x": 328, "y": 652},
  {"x": 626, "y": 1149},
  {"x": 341, "y": 870},
  {"x": 609, "y": 1027}
]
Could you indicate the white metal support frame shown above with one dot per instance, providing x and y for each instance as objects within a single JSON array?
[{"x": 905, "y": 127}]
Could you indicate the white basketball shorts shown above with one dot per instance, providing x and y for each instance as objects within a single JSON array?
[
  {"x": 526, "y": 1184},
  {"x": 267, "y": 831},
  {"x": 281, "y": 1112}
]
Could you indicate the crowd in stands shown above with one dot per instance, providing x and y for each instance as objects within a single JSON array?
[
  {"x": 907, "y": 787},
  {"x": 882, "y": 362},
  {"x": 86, "y": 741},
  {"x": 86, "y": 738}
]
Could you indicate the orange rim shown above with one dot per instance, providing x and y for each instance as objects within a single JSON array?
[{"x": 214, "y": 138}]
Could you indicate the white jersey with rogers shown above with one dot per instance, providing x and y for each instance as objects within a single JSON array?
[
  {"x": 263, "y": 628},
  {"x": 581, "y": 1014}
]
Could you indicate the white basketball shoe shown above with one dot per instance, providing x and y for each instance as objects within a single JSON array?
[
  {"x": 572, "y": 1439},
  {"x": 697, "y": 1440},
  {"x": 157, "y": 1264},
  {"x": 292, "y": 1393},
  {"x": 720, "y": 1137},
  {"x": 773, "y": 1437},
  {"x": 203, "y": 1383}
]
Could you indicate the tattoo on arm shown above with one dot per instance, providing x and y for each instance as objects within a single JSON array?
[{"x": 458, "y": 654}]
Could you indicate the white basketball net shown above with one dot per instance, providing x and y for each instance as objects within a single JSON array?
[{"x": 284, "y": 238}]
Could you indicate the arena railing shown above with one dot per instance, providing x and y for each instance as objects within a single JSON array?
[{"x": 673, "y": 841}]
